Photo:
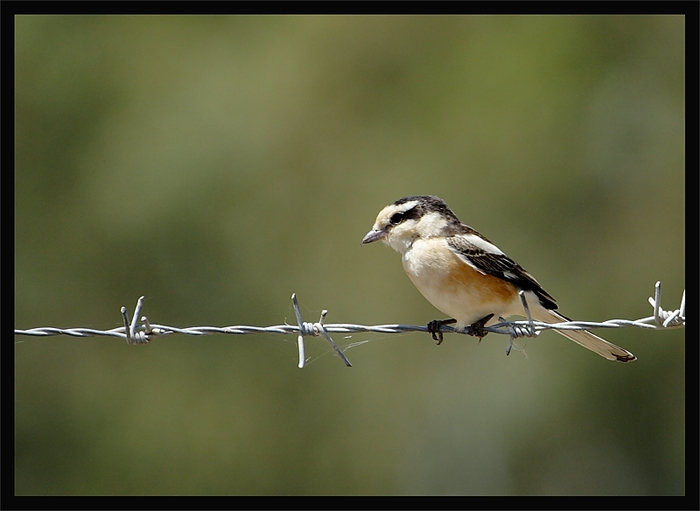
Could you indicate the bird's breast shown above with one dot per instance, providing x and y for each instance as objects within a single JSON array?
[{"x": 453, "y": 286}]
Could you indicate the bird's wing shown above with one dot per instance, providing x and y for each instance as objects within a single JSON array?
[{"x": 486, "y": 258}]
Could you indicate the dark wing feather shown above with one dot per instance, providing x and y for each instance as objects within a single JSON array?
[{"x": 498, "y": 265}]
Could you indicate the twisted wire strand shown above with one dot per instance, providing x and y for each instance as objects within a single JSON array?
[
  {"x": 348, "y": 328},
  {"x": 135, "y": 332}
]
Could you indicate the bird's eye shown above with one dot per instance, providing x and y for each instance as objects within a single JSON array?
[{"x": 396, "y": 218}]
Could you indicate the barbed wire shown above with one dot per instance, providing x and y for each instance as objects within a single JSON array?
[{"x": 139, "y": 333}]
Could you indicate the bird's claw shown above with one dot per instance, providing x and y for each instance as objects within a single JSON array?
[
  {"x": 435, "y": 328},
  {"x": 477, "y": 328}
]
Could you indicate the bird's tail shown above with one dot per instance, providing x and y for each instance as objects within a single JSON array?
[{"x": 584, "y": 338}]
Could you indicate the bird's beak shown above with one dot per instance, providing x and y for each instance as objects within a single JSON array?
[{"x": 374, "y": 235}]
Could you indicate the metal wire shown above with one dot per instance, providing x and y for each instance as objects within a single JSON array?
[{"x": 142, "y": 332}]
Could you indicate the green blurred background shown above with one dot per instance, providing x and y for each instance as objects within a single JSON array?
[{"x": 218, "y": 164}]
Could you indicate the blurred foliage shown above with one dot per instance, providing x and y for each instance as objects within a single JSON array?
[{"x": 217, "y": 164}]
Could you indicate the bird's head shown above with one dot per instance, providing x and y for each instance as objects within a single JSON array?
[{"x": 418, "y": 216}]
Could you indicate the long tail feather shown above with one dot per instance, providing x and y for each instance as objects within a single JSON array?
[{"x": 584, "y": 338}]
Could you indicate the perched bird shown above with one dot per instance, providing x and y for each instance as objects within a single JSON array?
[{"x": 466, "y": 276}]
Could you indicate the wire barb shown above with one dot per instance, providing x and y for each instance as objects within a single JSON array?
[
  {"x": 520, "y": 330},
  {"x": 300, "y": 337},
  {"x": 314, "y": 329},
  {"x": 132, "y": 336},
  {"x": 667, "y": 318},
  {"x": 141, "y": 332}
]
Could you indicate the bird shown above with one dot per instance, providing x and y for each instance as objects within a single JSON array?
[{"x": 464, "y": 275}]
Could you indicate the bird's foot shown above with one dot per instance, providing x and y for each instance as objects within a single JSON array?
[
  {"x": 477, "y": 329},
  {"x": 435, "y": 328}
]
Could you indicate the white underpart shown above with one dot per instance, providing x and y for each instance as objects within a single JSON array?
[{"x": 429, "y": 264}]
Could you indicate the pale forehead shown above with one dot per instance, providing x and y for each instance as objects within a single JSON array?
[{"x": 386, "y": 213}]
